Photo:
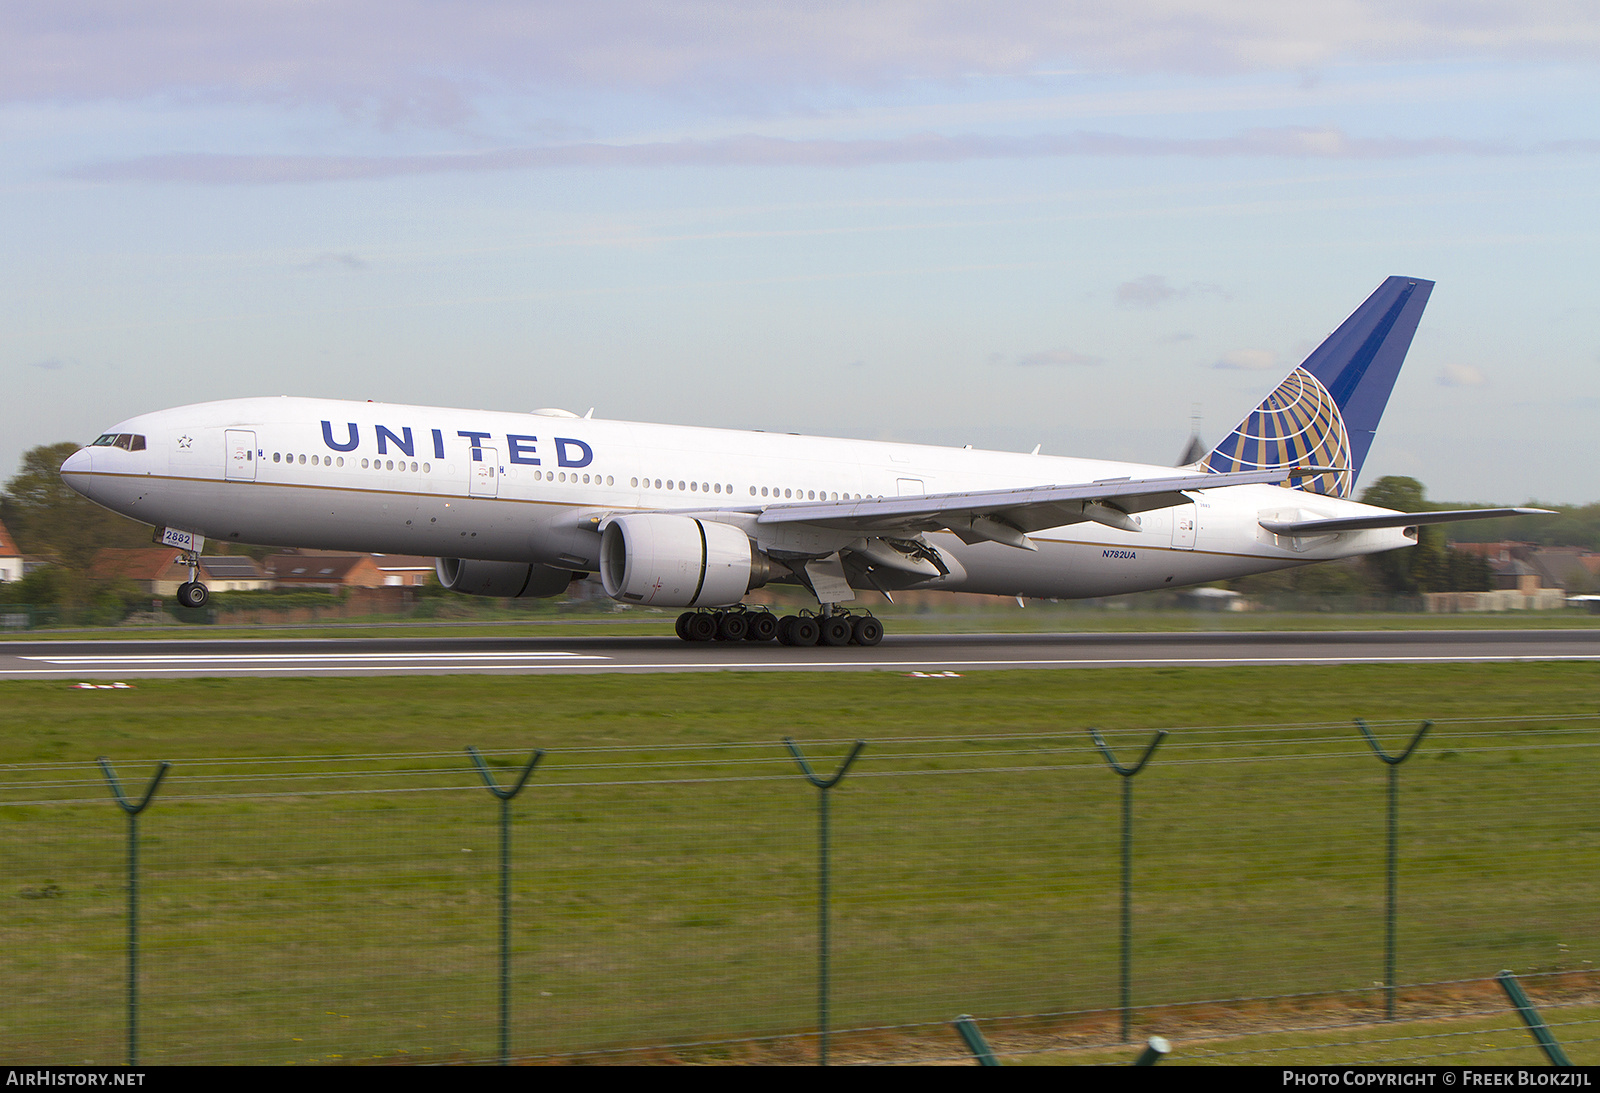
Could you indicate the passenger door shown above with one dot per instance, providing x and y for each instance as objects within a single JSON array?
[
  {"x": 240, "y": 445},
  {"x": 484, "y": 473}
]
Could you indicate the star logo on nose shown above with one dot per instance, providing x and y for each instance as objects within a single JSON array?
[{"x": 185, "y": 441}]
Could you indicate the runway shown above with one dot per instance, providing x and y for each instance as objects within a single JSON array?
[{"x": 180, "y": 659}]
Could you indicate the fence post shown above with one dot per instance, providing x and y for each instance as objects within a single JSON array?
[
  {"x": 1127, "y": 858},
  {"x": 132, "y": 811},
  {"x": 1393, "y": 762},
  {"x": 823, "y": 786},
  {"x": 1530, "y": 1017},
  {"x": 505, "y": 796},
  {"x": 968, "y": 1028}
]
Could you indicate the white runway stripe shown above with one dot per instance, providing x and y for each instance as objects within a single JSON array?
[{"x": 180, "y": 659}]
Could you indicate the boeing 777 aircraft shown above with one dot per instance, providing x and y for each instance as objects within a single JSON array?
[{"x": 522, "y": 504}]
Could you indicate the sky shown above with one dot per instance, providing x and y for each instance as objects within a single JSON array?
[{"x": 1079, "y": 225}]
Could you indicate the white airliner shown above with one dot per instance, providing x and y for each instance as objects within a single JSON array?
[{"x": 522, "y": 504}]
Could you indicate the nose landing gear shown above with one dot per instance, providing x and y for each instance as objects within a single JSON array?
[{"x": 192, "y": 593}]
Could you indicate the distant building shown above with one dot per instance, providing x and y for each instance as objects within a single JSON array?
[
  {"x": 324, "y": 572},
  {"x": 404, "y": 570},
  {"x": 160, "y": 570},
  {"x": 156, "y": 570},
  {"x": 10, "y": 557},
  {"x": 233, "y": 573},
  {"x": 1528, "y": 567}
]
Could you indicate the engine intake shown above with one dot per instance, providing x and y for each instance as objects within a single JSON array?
[
  {"x": 679, "y": 561},
  {"x": 508, "y": 580}
]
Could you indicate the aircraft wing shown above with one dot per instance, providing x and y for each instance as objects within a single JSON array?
[
  {"x": 1390, "y": 520},
  {"x": 1006, "y": 516}
]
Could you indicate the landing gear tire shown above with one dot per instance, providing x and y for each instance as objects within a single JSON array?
[
  {"x": 803, "y": 630},
  {"x": 867, "y": 631},
  {"x": 193, "y": 594},
  {"x": 835, "y": 630},
  {"x": 762, "y": 626},
  {"x": 682, "y": 625},
  {"x": 700, "y": 627},
  {"x": 732, "y": 625}
]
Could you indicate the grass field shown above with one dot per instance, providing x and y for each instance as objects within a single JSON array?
[
  {"x": 319, "y": 868},
  {"x": 1111, "y": 617}
]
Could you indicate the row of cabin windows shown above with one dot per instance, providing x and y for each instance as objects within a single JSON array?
[
  {"x": 693, "y": 487},
  {"x": 552, "y": 476},
  {"x": 338, "y": 461},
  {"x": 802, "y": 495},
  {"x": 541, "y": 475},
  {"x": 128, "y": 442}
]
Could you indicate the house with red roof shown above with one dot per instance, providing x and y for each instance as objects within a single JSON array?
[{"x": 10, "y": 557}]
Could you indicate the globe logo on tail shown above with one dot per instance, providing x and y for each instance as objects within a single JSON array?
[{"x": 1298, "y": 425}]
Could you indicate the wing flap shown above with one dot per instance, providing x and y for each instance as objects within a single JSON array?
[{"x": 1028, "y": 509}]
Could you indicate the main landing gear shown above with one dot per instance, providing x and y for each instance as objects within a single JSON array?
[{"x": 742, "y": 624}]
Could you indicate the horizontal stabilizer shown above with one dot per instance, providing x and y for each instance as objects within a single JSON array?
[{"x": 1390, "y": 520}]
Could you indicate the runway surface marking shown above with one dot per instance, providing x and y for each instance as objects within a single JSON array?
[
  {"x": 184, "y": 659},
  {"x": 354, "y": 663}
]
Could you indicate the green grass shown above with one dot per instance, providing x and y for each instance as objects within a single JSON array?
[
  {"x": 1111, "y": 617},
  {"x": 343, "y": 906},
  {"x": 1487, "y": 1034}
]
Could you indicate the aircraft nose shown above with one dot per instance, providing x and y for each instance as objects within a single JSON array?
[{"x": 77, "y": 464}]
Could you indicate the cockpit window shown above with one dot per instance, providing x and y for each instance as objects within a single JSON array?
[{"x": 128, "y": 442}]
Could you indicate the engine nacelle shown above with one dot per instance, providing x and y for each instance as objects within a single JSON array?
[
  {"x": 509, "y": 580},
  {"x": 678, "y": 561}
]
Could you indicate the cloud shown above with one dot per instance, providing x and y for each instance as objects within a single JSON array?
[
  {"x": 1460, "y": 375},
  {"x": 1153, "y": 290},
  {"x": 1148, "y": 291},
  {"x": 50, "y": 364},
  {"x": 1247, "y": 360},
  {"x": 336, "y": 260},
  {"x": 1059, "y": 358},
  {"x": 751, "y": 150},
  {"x": 422, "y": 60}
]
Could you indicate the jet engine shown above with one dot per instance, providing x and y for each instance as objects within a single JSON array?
[
  {"x": 678, "y": 561},
  {"x": 510, "y": 580}
]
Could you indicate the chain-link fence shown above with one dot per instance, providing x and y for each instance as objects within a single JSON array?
[{"x": 664, "y": 900}]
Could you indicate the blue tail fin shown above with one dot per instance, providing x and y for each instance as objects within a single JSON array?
[{"x": 1326, "y": 413}]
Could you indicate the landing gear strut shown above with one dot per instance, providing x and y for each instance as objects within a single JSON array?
[{"x": 192, "y": 593}]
